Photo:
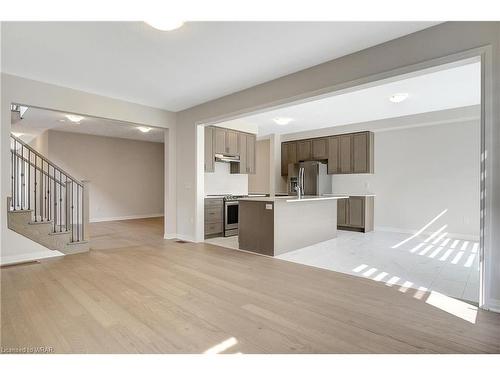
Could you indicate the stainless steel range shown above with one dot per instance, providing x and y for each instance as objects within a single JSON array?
[{"x": 231, "y": 214}]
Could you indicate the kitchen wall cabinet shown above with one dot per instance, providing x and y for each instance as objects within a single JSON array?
[
  {"x": 250, "y": 149},
  {"x": 219, "y": 141},
  {"x": 362, "y": 152},
  {"x": 333, "y": 155},
  {"x": 288, "y": 155},
  {"x": 345, "y": 153},
  {"x": 209, "y": 150},
  {"x": 356, "y": 213},
  {"x": 345, "y": 150},
  {"x": 320, "y": 148},
  {"x": 304, "y": 150},
  {"x": 231, "y": 142},
  {"x": 246, "y": 146}
]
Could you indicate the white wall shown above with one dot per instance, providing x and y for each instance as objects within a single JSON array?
[
  {"x": 126, "y": 176},
  {"x": 222, "y": 182},
  {"x": 419, "y": 173},
  {"x": 34, "y": 93},
  {"x": 401, "y": 55},
  {"x": 259, "y": 182}
]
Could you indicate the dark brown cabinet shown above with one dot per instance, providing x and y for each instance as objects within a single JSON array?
[
  {"x": 333, "y": 155},
  {"x": 320, "y": 148},
  {"x": 304, "y": 150},
  {"x": 219, "y": 141},
  {"x": 246, "y": 146},
  {"x": 345, "y": 150},
  {"x": 213, "y": 217},
  {"x": 362, "y": 152},
  {"x": 356, "y": 213},
  {"x": 231, "y": 142},
  {"x": 288, "y": 155},
  {"x": 209, "y": 150},
  {"x": 345, "y": 153}
]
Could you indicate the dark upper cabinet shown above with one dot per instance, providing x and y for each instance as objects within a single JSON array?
[
  {"x": 333, "y": 155},
  {"x": 209, "y": 150},
  {"x": 345, "y": 153},
  {"x": 250, "y": 149},
  {"x": 304, "y": 150},
  {"x": 288, "y": 155},
  {"x": 362, "y": 152},
  {"x": 219, "y": 141},
  {"x": 320, "y": 148},
  {"x": 231, "y": 142}
]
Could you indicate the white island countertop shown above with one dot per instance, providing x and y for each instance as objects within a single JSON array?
[
  {"x": 294, "y": 199},
  {"x": 356, "y": 194}
]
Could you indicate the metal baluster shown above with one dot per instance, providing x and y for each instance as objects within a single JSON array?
[
  {"x": 55, "y": 202},
  {"x": 12, "y": 172},
  {"x": 78, "y": 212},
  {"x": 29, "y": 179},
  {"x": 72, "y": 211},
  {"x": 22, "y": 176},
  {"x": 15, "y": 175},
  {"x": 49, "y": 206},
  {"x": 36, "y": 184},
  {"x": 60, "y": 202}
]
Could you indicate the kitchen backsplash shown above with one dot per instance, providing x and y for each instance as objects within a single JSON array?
[{"x": 223, "y": 182}]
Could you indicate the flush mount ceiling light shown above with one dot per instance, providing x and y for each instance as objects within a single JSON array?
[
  {"x": 399, "y": 97},
  {"x": 74, "y": 118},
  {"x": 144, "y": 129},
  {"x": 282, "y": 120},
  {"x": 165, "y": 24}
]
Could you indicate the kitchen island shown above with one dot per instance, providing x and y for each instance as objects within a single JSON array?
[{"x": 276, "y": 225}]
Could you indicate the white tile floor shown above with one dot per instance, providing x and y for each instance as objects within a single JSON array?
[{"x": 441, "y": 264}]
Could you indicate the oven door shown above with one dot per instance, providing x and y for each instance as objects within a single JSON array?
[{"x": 231, "y": 217}]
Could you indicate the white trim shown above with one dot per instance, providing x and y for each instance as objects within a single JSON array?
[
  {"x": 459, "y": 236},
  {"x": 13, "y": 259},
  {"x": 176, "y": 236},
  {"x": 130, "y": 217},
  {"x": 493, "y": 305}
]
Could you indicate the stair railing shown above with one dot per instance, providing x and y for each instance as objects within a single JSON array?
[{"x": 53, "y": 194}]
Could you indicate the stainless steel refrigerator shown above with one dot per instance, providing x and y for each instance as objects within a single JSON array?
[{"x": 316, "y": 179}]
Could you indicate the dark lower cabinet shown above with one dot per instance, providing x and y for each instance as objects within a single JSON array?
[{"x": 356, "y": 213}]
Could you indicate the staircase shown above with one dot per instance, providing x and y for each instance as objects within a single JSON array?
[{"x": 47, "y": 205}]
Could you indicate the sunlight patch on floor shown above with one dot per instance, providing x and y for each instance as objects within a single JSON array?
[
  {"x": 221, "y": 347},
  {"x": 453, "y": 306}
]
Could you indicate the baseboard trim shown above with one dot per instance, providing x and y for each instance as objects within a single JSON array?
[
  {"x": 130, "y": 217},
  {"x": 177, "y": 236},
  {"x": 29, "y": 257},
  {"x": 493, "y": 305},
  {"x": 458, "y": 236}
]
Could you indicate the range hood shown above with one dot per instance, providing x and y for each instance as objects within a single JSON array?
[{"x": 227, "y": 158}]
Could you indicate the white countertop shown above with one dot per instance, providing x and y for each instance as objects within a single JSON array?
[
  {"x": 293, "y": 198},
  {"x": 352, "y": 194}
]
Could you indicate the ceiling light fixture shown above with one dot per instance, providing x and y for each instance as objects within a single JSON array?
[
  {"x": 144, "y": 129},
  {"x": 165, "y": 24},
  {"x": 282, "y": 120},
  {"x": 74, "y": 118},
  {"x": 399, "y": 97}
]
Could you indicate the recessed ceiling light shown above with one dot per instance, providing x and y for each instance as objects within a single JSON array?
[
  {"x": 399, "y": 97},
  {"x": 74, "y": 118},
  {"x": 165, "y": 24},
  {"x": 62, "y": 120},
  {"x": 282, "y": 120},
  {"x": 144, "y": 129}
]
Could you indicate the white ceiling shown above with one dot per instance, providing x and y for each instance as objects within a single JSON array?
[
  {"x": 444, "y": 89},
  {"x": 35, "y": 121},
  {"x": 176, "y": 70}
]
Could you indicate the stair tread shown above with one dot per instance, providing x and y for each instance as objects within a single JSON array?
[
  {"x": 41, "y": 222},
  {"x": 63, "y": 232},
  {"x": 19, "y": 211}
]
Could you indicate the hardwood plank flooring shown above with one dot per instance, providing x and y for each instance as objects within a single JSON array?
[{"x": 135, "y": 292}]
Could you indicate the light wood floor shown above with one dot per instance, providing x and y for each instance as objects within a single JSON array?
[{"x": 135, "y": 292}]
